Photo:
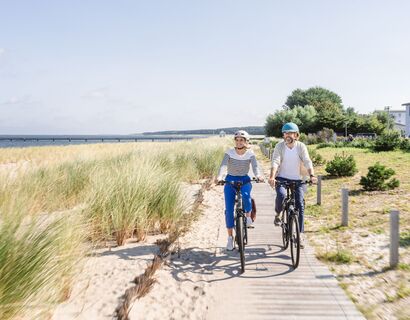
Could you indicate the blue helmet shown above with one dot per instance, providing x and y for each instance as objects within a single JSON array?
[{"x": 290, "y": 127}]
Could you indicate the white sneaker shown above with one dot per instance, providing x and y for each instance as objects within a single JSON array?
[
  {"x": 249, "y": 222},
  {"x": 229, "y": 245}
]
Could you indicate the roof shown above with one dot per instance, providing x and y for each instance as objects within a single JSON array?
[{"x": 406, "y": 104}]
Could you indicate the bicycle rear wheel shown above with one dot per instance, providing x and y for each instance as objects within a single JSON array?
[
  {"x": 239, "y": 229},
  {"x": 285, "y": 229},
  {"x": 294, "y": 240}
]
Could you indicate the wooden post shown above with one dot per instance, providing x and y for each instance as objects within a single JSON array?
[
  {"x": 319, "y": 191},
  {"x": 345, "y": 207},
  {"x": 394, "y": 238}
]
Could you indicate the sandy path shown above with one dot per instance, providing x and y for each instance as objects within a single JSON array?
[{"x": 182, "y": 288}]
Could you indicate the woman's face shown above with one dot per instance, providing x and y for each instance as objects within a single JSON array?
[
  {"x": 289, "y": 137},
  {"x": 240, "y": 142}
]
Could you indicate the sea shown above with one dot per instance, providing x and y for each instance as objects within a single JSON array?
[{"x": 22, "y": 141}]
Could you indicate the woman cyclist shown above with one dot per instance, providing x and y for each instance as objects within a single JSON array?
[{"x": 236, "y": 163}]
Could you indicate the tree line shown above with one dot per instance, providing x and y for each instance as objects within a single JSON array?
[{"x": 317, "y": 108}]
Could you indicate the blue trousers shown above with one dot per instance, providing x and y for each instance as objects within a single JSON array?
[
  {"x": 281, "y": 195},
  {"x": 229, "y": 192}
]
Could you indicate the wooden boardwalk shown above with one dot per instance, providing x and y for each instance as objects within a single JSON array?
[{"x": 270, "y": 288}]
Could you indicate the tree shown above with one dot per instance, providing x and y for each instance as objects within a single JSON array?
[
  {"x": 318, "y": 97},
  {"x": 304, "y": 117}
]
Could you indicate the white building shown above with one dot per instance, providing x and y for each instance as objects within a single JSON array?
[
  {"x": 407, "y": 121},
  {"x": 398, "y": 115},
  {"x": 401, "y": 118}
]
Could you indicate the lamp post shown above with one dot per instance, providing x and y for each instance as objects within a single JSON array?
[{"x": 346, "y": 130}]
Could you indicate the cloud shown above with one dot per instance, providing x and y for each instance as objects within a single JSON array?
[
  {"x": 26, "y": 99},
  {"x": 101, "y": 93}
]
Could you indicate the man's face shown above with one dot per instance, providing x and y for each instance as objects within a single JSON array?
[
  {"x": 240, "y": 142},
  {"x": 289, "y": 137}
]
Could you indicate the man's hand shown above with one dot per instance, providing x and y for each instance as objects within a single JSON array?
[
  {"x": 272, "y": 182},
  {"x": 260, "y": 178},
  {"x": 313, "y": 179}
]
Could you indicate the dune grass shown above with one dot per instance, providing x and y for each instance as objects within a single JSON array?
[
  {"x": 67, "y": 199},
  {"x": 37, "y": 261}
]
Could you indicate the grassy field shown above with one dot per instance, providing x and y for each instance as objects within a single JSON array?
[
  {"x": 56, "y": 203},
  {"x": 359, "y": 254}
]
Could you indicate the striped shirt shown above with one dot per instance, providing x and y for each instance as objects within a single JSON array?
[{"x": 238, "y": 165}]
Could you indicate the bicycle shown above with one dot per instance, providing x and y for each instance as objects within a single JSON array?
[
  {"x": 241, "y": 230},
  {"x": 290, "y": 220}
]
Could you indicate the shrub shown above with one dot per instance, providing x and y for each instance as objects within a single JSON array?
[
  {"x": 377, "y": 177},
  {"x": 362, "y": 143},
  {"x": 405, "y": 144},
  {"x": 325, "y": 135},
  {"x": 342, "y": 166},
  {"x": 316, "y": 158},
  {"x": 387, "y": 141},
  {"x": 273, "y": 143},
  {"x": 325, "y": 145}
]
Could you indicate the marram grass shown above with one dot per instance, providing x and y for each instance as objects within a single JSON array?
[{"x": 67, "y": 196}]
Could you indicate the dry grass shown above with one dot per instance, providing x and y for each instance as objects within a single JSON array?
[
  {"x": 115, "y": 188},
  {"x": 359, "y": 254}
]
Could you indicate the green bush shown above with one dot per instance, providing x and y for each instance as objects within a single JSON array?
[
  {"x": 405, "y": 144},
  {"x": 273, "y": 143},
  {"x": 325, "y": 145},
  {"x": 362, "y": 143},
  {"x": 387, "y": 141},
  {"x": 341, "y": 166},
  {"x": 316, "y": 158},
  {"x": 377, "y": 177}
]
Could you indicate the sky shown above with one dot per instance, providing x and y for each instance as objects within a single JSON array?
[{"x": 121, "y": 67}]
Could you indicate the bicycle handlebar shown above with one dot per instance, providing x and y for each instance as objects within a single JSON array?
[
  {"x": 289, "y": 183},
  {"x": 222, "y": 182}
]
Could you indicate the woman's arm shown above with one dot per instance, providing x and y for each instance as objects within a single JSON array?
[{"x": 223, "y": 167}]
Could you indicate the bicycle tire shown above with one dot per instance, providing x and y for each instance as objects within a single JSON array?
[
  {"x": 239, "y": 240},
  {"x": 245, "y": 233},
  {"x": 285, "y": 230},
  {"x": 294, "y": 240}
]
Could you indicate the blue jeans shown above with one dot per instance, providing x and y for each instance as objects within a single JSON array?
[
  {"x": 230, "y": 192},
  {"x": 281, "y": 195}
]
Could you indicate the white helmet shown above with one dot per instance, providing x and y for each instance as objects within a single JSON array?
[{"x": 242, "y": 134}]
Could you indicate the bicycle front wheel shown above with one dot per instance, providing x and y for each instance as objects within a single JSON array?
[
  {"x": 294, "y": 240},
  {"x": 239, "y": 240}
]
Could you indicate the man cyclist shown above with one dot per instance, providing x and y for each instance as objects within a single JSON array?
[
  {"x": 289, "y": 158},
  {"x": 236, "y": 163}
]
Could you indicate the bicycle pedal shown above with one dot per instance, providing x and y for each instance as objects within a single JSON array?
[{"x": 250, "y": 227}]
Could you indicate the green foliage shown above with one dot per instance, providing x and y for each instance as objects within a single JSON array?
[
  {"x": 304, "y": 117},
  {"x": 387, "y": 141},
  {"x": 342, "y": 166},
  {"x": 317, "y": 108},
  {"x": 339, "y": 257},
  {"x": 362, "y": 143},
  {"x": 325, "y": 145},
  {"x": 318, "y": 97},
  {"x": 377, "y": 177},
  {"x": 405, "y": 144},
  {"x": 316, "y": 158}
]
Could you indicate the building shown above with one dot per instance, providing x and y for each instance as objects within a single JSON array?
[
  {"x": 407, "y": 121},
  {"x": 401, "y": 118}
]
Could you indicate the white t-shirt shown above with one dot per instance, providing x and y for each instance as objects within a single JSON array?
[{"x": 290, "y": 166}]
